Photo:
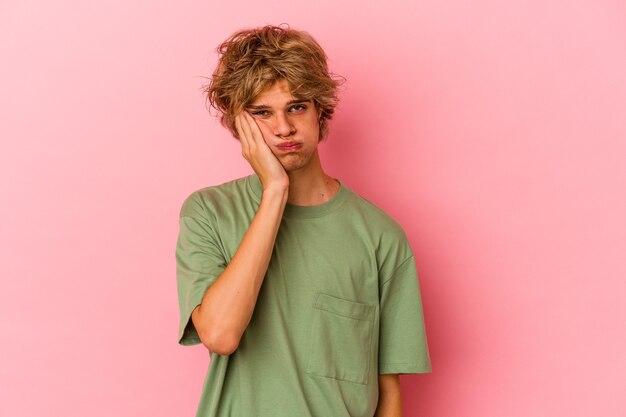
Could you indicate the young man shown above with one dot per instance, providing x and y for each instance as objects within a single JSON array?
[{"x": 304, "y": 293}]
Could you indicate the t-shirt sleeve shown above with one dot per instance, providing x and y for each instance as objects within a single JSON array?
[
  {"x": 403, "y": 347},
  {"x": 199, "y": 261}
]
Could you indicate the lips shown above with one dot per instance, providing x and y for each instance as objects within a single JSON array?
[{"x": 289, "y": 146}]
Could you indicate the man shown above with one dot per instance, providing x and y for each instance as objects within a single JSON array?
[{"x": 304, "y": 293}]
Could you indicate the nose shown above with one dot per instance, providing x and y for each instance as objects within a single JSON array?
[{"x": 283, "y": 126}]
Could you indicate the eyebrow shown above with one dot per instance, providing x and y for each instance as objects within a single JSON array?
[{"x": 290, "y": 102}]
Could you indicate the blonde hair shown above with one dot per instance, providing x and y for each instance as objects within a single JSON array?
[{"x": 252, "y": 60}]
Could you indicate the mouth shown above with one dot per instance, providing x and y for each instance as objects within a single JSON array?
[{"x": 291, "y": 146}]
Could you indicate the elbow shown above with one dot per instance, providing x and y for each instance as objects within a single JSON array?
[
  {"x": 215, "y": 338},
  {"x": 219, "y": 343}
]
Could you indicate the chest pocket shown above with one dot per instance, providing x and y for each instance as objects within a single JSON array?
[{"x": 341, "y": 339}]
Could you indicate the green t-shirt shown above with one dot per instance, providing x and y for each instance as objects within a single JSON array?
[{"x": 339, "y": 305}]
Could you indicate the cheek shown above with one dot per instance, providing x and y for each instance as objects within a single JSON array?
[{"x": 311, "y": 124}]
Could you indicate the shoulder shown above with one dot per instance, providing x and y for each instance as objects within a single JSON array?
[
  {"x": 376, "y": 218},
  {"x": 389, "y": 241},
  {"x": 204, "y": 200}
]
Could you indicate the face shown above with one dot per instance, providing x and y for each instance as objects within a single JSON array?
[{"x": 293, "y": 121}]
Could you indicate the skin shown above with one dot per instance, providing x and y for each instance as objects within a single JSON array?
[
  {"x": 296, "y": 177},
  {"x": 389, "y": 396},
  {"x": 282, "y": 122}
]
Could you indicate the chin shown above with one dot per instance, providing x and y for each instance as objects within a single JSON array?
[{"x": 293, "y": 167}]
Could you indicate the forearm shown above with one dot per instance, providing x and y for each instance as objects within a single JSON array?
[
  {"x": 389, "y": 397},
  {"x": 389, "y": 406},
  {"x": 227, "y": 305}
]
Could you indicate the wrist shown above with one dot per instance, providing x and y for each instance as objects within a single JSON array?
[{"x": 276, "y": 192}]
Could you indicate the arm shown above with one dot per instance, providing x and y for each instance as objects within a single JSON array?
[
  {"x": 389, "y": 397},
  {"x": 228, "y": 304}
]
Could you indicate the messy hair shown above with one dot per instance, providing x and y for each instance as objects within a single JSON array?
[{"x": 252, "y": 60}]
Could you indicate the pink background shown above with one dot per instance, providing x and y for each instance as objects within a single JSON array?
[{"x": 494, "y": 132}]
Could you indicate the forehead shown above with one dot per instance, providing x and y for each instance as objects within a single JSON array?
[{"x": 278, "y": 93}]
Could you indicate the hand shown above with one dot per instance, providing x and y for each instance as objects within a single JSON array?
[{"x": 258, "y": 154}]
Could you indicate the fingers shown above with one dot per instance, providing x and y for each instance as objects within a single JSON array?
[
  {"x": 257, "y": 152},
  {"x": 243, "y": 135},
  {"x": 252, "y": 134},
  {"x": 259, "y": 130}
]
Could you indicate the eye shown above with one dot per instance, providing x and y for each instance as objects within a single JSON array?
[{"x": 298, "y": 107}]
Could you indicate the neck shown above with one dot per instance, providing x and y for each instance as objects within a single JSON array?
[{"x": 310, "y": 185}]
